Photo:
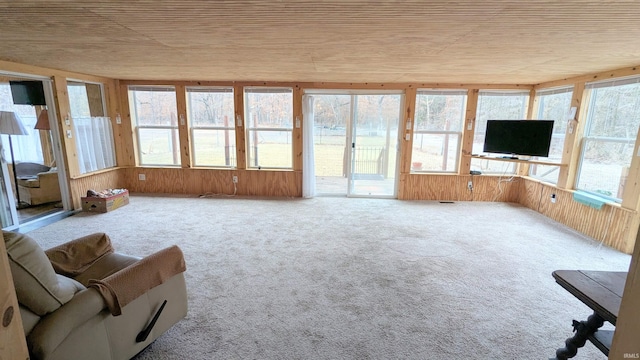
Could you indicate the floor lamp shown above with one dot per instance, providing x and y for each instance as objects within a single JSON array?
[
  {"x": 10, "y": 124},
  {"x": 45, "y": 138}
]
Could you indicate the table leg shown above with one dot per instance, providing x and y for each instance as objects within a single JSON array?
[{"x": 582, "y": 329}]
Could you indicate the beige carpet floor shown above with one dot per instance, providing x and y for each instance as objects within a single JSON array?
[{"x": 338, "y": 278}]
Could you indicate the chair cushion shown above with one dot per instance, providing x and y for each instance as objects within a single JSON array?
[{"x": 37, "y": 285}]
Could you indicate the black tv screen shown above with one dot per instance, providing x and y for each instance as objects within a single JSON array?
[
  {"x": 27, "y": 92},
  {"x": 518, "y": 137}
]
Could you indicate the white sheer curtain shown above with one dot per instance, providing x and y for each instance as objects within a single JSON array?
[
  {"x": 26, "y": 148},
  {"x": 94, "y": 142},
  {"x": 308, "y": 162}
]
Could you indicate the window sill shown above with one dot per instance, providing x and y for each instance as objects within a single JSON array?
[{"x": 97, "y": 172}]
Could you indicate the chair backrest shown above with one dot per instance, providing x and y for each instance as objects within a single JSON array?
[
  {"x": 38, "y": 287},
  {"x": 30, "y": 169}
]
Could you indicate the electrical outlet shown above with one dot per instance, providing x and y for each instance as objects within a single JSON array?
[
  {"x": 142, "y": 177},
  {"x": 470, "y": 185},
  {"x": 235, "y": 179},
  {"x": 553, "y": 198}
]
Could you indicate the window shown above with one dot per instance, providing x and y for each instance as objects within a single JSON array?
[
  {"x": 269, "y": 120},
  {"x": 212, "y": 125},
  {"x": 438, "y": 130},
  {"x": 553, "y": 104},
  {"x": 153, "y": 112},
  {"x": 496, "y": 105},
  {"x": 94, "y": 135},
  {"x": 613, "y": 117}
]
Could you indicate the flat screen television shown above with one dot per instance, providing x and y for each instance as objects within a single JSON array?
[
  {"x": 27, "y": 92},
  {"x": 518, "y": 137}
]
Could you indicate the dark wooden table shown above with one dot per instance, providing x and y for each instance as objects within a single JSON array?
[{"x": 602, "y": 292}]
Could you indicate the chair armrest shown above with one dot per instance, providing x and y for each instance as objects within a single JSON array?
[
  {"x": 52, "y": 329},
  {"x": 76, "y": 256},
  {"x": 133, "y": 281}
]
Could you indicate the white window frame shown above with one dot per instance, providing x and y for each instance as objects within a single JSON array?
[
  {"x": 589, "y": 138},
  {"x": 137, "y": 127},
  {"x": 442, "y": 132},
  {"x": 192, "y": 128},
  {"x": 108, "y": 135},
  {"x": 249, "y": 126},
  {"x": 546, "y": 92}
]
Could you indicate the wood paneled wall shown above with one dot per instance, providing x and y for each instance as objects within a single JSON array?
[
  {"x": 108, "y": 179},
  {"x": 613, "y": 225},
  {"x": 13, "y": 344},
  {"x": 455, "y": 188},
  {"x": 197, "y": 181}
]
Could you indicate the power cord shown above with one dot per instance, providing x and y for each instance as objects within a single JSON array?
[
  {"x": 210, "y": 194},
  {"x": 500, "y": 181}
]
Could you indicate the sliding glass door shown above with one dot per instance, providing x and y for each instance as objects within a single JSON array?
[{"x": 355, "y": 143}]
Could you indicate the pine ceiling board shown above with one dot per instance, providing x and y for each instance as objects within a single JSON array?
[{"x": 493, "y": 41}]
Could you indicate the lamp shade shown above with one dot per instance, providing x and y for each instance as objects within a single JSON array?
[
  {"x": 11, "y": 124},
  {"x": 43, "y": 121}
]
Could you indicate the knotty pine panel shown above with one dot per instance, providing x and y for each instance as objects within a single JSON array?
[
  {"x": 157, "y": 180},
  {"x": 271, "y": 183},
  {"x": 206, "y": 181},
  {"x": 12, "y": 340},
  {"x": 454, "y": 188},
  {"x": 108, "y": 179},
  {"x": 495, "y": 188},
  {"x": 209, "y": 181},
  {"x": 429, "y": 187},
  {"x": 613, "y": 225},
  {"x": 530, "y": 194}
]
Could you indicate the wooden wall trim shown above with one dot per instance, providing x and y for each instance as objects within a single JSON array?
[
  {"x": 332, "y": 85},
  {"x": 408, "y": 116},
  {"x": 183, "y": 126},
  {"x": 573, "y": 134},
  {"x": 625, "y": 339},
  {"x": 298, "y": 124},
  {"x": 116, "y": 113},
  {"x": 631, "y": 190},
  {"x": 13, "y": 344},
  {"x": 47, "y": 72},
  {"x": 240, "y": 120},
  {"x": 128, "y": 155},
  {"x": 468, "y": 131},
  {"x": 406, "y": 144},
  {"x": 65, "y": 126},
  {"x": 611, "y": 74}
]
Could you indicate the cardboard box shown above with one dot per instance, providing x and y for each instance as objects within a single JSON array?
[{"x": 103, "y": 205}]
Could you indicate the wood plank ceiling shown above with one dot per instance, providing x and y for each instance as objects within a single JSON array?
[{"x": 466, "y": 41}]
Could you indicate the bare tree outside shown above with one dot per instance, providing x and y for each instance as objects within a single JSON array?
[
  {"x": 153, "y": 111},
  {"x": 613, "y": 117}
]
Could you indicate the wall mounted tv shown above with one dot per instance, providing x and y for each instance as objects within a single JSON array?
[
  {"x": 27, "y": 92},
  {"x": 518, "y": 137}
]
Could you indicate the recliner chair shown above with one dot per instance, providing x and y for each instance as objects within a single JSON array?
[{"x": 81, "y": 300}]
